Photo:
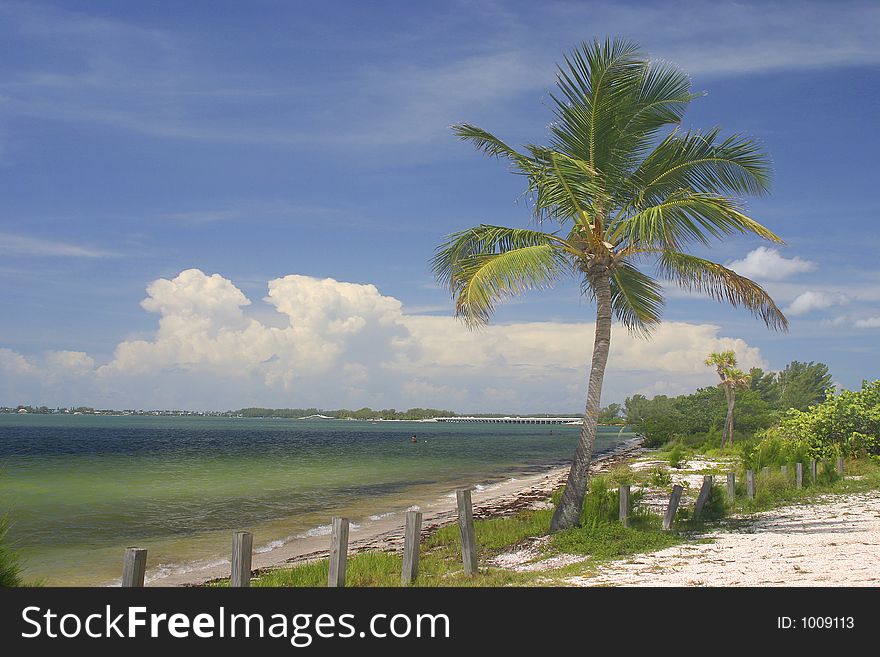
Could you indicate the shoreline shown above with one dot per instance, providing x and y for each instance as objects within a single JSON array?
[{"x": 384, "y": 532}]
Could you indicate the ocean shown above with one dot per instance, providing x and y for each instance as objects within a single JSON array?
[{"x": 79, "y": 489}]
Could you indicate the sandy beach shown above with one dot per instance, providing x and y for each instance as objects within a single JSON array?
[
  {"x": 385, "y": 532},
  {"x": 833, "y": 542}
]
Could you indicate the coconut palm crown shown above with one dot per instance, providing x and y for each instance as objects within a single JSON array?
[{"x": 624, "y": 189}]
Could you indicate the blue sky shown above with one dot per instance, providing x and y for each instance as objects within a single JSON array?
[{"x": 288, "y": 142}]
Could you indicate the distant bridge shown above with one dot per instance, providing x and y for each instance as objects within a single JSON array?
[{"x": 513, "y": 420}]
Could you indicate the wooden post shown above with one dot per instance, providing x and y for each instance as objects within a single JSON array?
[
  {"x": 784, "y": 470},
  {"x": 411, "y": 534},
  {"x": 840, "y": 465},
  {"x": 765, "y": 472},
  {"x": 671, "y": 510},
  {"x": 624, "y": 505},
  {"x": 703, "y": 496},
  {"x": 799, "y": 474},
  {"x": 813, "y": 471},
  {"x": 731, "y": 486},
  {"x": 134, "y": 567},
  {"x": 466, "y": 529},
  {"x": 338, "y": 552},
  {"x": 242, "y": 553},
  {"x": 750, "y": 484}
]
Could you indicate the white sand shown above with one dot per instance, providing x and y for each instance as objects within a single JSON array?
[
  {"x": 385, "y": 531},
  {"x": 836, "y": 543}
]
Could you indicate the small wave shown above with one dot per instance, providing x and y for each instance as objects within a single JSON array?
[
  {"x": 320, "y": 530},
  {"x": 165, "y": 570},
  {"x": 272, "y": 545},
  {"x": 379, "y": 516}
]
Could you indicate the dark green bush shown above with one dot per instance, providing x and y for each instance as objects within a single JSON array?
[{"x": 10, "y": 568}]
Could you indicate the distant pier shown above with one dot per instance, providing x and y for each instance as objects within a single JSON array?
[{"x": 513, "y": 420}]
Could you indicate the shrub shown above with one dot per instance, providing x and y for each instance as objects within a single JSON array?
[
  {"x": 844, "y": 424},
  {"x": 773, "y": 449},
  {"x": 10, "y": 568},
  {"x": 622, "y": 475},
  {"x": 601, "y": 505},
  {"x": 676, "y": 455},
  {"x": 660, "y": 477}
]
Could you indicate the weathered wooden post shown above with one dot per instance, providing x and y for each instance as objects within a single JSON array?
[
  {"x": 242, "y": 553},
  {"x": 799, "y": 474},
  {"x": 731, "y": 486},
  {"x": 466, "y": 529},
  {"x": 338, "y": 551},
  {"x": 671, "y": 510},
  {"x": 750, "y": 484},
  {"x": 411, "y": 534},
  {"x": 705, "y": 490},
  {"x": 765, "y": 472},
  {"x": 134, "y": 567},
  {"x": 784, "y": 470},
  {"x": 840, "y": 465},
  {"x": 813, "y": 470},
  {"x": 624, "y": 505}
]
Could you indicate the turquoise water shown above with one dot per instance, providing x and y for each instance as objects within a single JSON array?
[{"x": 81, "y": 488}]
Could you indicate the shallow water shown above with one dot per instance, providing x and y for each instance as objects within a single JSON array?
[{"x": 81, "y": 488}]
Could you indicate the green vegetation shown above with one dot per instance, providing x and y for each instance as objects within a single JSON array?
[
  {"x": 611, "y": 415},
  {"x": 699, "y": 418},
  {"x": 844, "y": 424},
  {"x": 10, "y": 568},
  {"x": 344, "y": 413}
]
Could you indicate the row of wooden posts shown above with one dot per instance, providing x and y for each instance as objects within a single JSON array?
[
  {"x": 706, "y": 489},
  {"x": 135, "y": 559}
]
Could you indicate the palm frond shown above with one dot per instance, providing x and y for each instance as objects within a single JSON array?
[
  {"x": 488, "y": 264},
  {"x": 722, "y": 284},
  {"x": 594, "y": 83},
  {"x": 637, "y": 299},
  {"x": 685, "y": 217},
  {"x": 700, "y": 162},
  {"x": 486, "y": 142}
]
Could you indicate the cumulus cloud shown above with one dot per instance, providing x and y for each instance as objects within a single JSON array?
[
  {"x": 346, "y": 344},
  {"x": 809, "y": 301},
  {"x": 765, "y": 263},
  {"x": 869, "y": 322}
]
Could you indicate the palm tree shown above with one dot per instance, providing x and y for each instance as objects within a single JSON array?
[
  {"x": 621, "y": 195},
  {"x": 731, "y": 379}
]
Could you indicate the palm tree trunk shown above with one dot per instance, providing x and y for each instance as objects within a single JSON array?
[
  {"x": 727, "y": 434},
  {"x": 726, "y": 430},
  {"x": 568, "y": 512}
]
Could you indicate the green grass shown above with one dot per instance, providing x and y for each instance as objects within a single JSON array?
[
  {"x": 599, "y": 538},
  {"x": 775, "y": 489},
  {"x": 10, "y": 568},
  {"x": 613, "y": 540}
]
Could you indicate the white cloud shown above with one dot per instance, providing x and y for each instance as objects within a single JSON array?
[
  {"x": 30, "y": 246},
  {"x": 70, "y": 361},
  {"x": 12, "y": 363},
  {"x": 346, "y": 344},
  {"x": 870, "y": 322},
  {"x": 809, "y": 301},
  {"x": 766, "y": 263}
]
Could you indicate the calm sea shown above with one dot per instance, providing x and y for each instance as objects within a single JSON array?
[{"x": 81, "y": 488}]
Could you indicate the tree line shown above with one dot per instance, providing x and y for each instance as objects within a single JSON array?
[{"x": 763, "y": 400}]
